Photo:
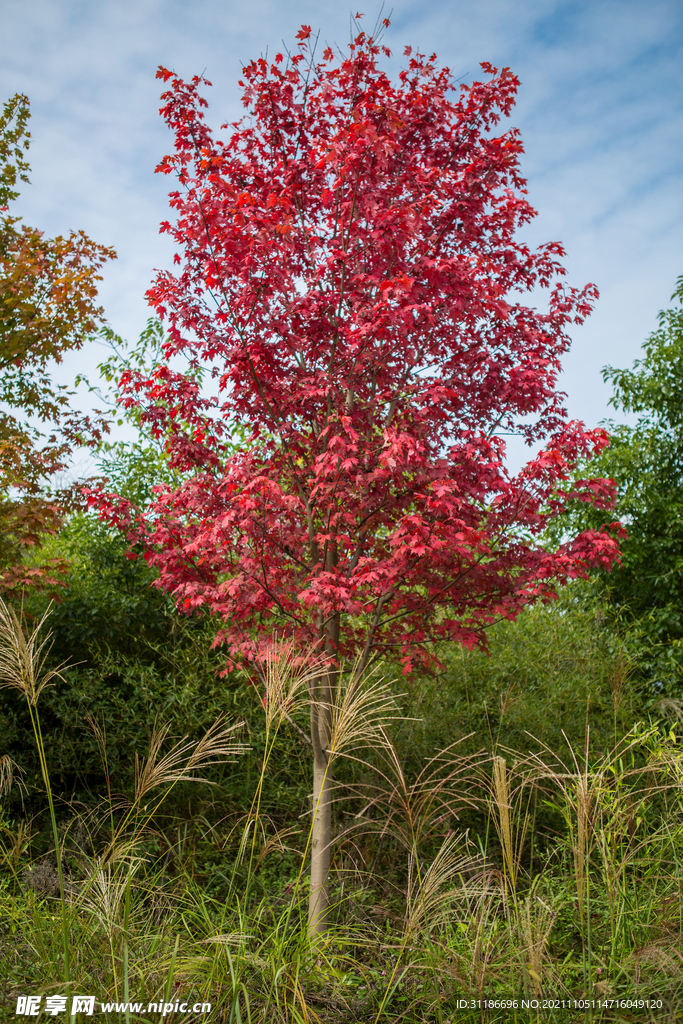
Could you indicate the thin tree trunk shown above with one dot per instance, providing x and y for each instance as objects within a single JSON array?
[
  {"x": 321, "y": 848},
  {"x": 321, "y": 828}
]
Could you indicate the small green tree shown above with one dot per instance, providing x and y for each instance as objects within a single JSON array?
[{"x": 645, "y": 461}]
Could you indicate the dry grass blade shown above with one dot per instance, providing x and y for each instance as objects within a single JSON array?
[
  {"x": 501, "y": 798},
  {"x": 486, "y": 940},
  {"x": 580, "y": 788},
  {"x": 594, "y": 795},
  {"x": 7, "y": 768},
  {"x": 670, "y": 707},
  {"x": 666, "y": 958},
  {"x": 99, "y": 734},
  {"x": 431, "y": 894},
  {"x": 119, "y": 850},
  {"x": 18, "y": 843},
  {"x": 536, "y": 921},
  {"x": 184, "y": 758},
  {"x": 230, "y": 939},
  {"x": 416, "y": 811},
  {"x": 22, "y": 657},
  {"x": 276, "y": 842},
  {"x": 105, "y": 890}
]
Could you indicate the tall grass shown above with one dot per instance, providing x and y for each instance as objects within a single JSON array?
[
  {"x": 469, "y": 875},
  {"x": 23, "y": 668}
]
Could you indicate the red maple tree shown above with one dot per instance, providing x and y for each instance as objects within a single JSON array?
[{"x": 350, "y": 272}]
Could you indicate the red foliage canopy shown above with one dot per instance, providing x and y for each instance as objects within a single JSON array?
[{"x": 350, "y": 272}]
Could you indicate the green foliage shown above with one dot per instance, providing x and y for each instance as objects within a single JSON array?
[
  {"x": 205, "y": 896},
  {"x": 48, "y": 293},
  {"x": 108, "y": 616},
  {"x": 109, "y": 604},
  {"x": 135, "y": 661},
  {"x": 654, "y": 387},
  {"x": 14, "y": 141},
  {"x": 598, "y": 919},
  {"x": 548, "y": 675},
  {"x": 132, "y": 468},
  {"x": 645, "y": 462}
]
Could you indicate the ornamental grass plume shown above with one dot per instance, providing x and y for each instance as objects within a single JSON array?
[
  {"x": 415, "y": 811},
  {"x": 184, "y": 758},
  {"x": 23, "y": 667},
  {"x": 287, "y": 679},
  {"x": 432, "y": 892},
  {"x": 23, "y": 658},
  {"x": 362, "y": 706},
  {"x": 7, "y": 766},
  {"x": 106, "y": 892},
  {"x": 510, "y": 821},
  {"x": 535, "y": 920}
]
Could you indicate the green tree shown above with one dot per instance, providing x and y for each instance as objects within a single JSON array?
[
  {"x": 48, "y": 292},
  {"x": 645, "y": 461}
]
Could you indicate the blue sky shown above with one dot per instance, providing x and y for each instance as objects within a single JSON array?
[{"x": 600, "y": 110}]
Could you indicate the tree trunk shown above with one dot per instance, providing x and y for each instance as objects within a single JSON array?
[
  {"x": 321, "y": 845},
  {"x": 321, "y": 827}
]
